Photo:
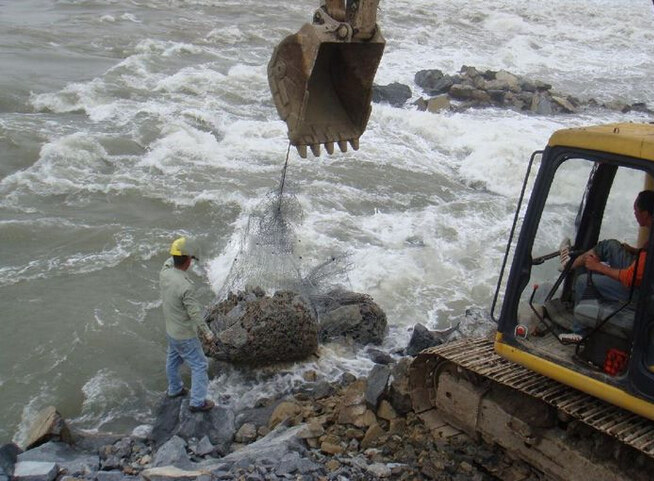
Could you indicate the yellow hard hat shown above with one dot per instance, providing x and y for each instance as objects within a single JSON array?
[{"x": 183, "y": 247}]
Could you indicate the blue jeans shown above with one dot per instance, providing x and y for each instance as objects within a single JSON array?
[{"x": 189, "y": 351}]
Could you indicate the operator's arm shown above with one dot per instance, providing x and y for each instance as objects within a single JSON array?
[
  {"x": 624, "y": 276},
  {"x": 593, "y": 263},
  {"x": 194, "y": 310},
  {"x": 581, "y": 260}
]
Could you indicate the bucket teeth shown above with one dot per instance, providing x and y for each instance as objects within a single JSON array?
[
  {"x": 315, "y": 148},
  {"x": 302, "y": 150},
  {"x": 355, "y": 143},
  {"x": 329, "y": 146},
  {"x": 342, "y": 144}
]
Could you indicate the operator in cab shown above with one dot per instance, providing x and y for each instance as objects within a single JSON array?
[{"x": 614, "y": 269}]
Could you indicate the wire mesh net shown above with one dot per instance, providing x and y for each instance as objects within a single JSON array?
[{"x": 267, "y": 255}]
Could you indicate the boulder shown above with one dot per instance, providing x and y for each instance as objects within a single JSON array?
[
  {"x": 439, "y": 103},
  {"x": 345, "y": 314},
  {"x": 47, "y": 425},
  {"x": 376, "y": 384},
  {"x": 35, "y": 471},
  {"x": 217, "y": 424},
  {"x": 434, "y": 82},
  {"x": 399, "y": 394},
  {"x": 258, "y": 330},
  {"x": 166, "y": 420},
  {"x": 174, "y": 418},
  {"x": 172, "y": 453},
  {"x": 379, "y": 357},
  {"x": 284, "y": 410},
  {"x": 73, "y": 461},
  {"x": 269, "y": 449},
  {"x": 395, "y": 94},
  {"x": 8, "y": 457},
  {"x": 422, "y": 338}
]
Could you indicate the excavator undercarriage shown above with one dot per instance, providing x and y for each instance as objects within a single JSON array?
[{"x": 561, "y": 432}]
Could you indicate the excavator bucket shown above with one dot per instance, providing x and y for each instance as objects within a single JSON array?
[{"x": 321, "y": 79}]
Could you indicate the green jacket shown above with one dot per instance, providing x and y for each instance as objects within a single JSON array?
[{"x": 181, "y": 309}]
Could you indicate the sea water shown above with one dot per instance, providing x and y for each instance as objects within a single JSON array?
[{"x": 124, "y": 124}]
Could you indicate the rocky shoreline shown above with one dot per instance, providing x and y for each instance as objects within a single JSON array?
[
  {"x": 351, "y": 429},
  {"x": 471, "y": 88}
]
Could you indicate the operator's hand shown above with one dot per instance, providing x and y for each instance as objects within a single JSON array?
[{"x": 592, "y": 262}]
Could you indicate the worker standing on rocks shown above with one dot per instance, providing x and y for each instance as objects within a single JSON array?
[{"x": 184, "y": 322}]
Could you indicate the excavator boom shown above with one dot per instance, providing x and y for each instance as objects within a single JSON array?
[{"x": 321, "y": 77}]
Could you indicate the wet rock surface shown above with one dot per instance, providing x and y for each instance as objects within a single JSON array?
[
  {"x": 255, "y": 329},
  {"x": 355, "y": 428},
  {"x": 350, "y": 315},
  {"x": 472, "y": 88},
  {"x": 252, "y": 328}
]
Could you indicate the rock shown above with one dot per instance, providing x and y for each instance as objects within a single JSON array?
[
  {"x": 437, "y": 104},
  {"x": 351, "y": 315},
  {"x": 258, "y": 416},
  {"x": 434, "y": 82},
  {"x": 73, "y": 461},
  {"x": 421, "y": 339},
  {"x": 565, "y": 104},
  {"x": 166, "y": 420},
  {"x": 461, "y": 91},
  {"x": 386, "y": 411},
  {"x": 246, "y": 434},
  {"x": 288, "y": 464},
  {"x": 399, "y": 394},
  {"x": 217, "y": 424},
  {"x": 379, "y": 357},
  {"x": 376, "y": 384},
  {"x": 273, "y": 447},
  {"x": 618, "y": 106},
  {"x": 372, "y": 436},
  {"x": 541, "y": 104},
  {"x": 318, "y": 390},
  {"x": 396, "y": 94},
  {"x": 509, "y": 79},
  {"x": 169, "y": 473},
  {"x": 331, "y": 448},
  {"x": 47, "y": 425},
  {"x": 8, "y": 457},
  {"x": 283, "y": 411},
  {"x": 261, "y": 330},
  {"x": 204, "y": 447},
  {"x": 35, "y": 471},
  {"x": 379, "y": 470},
  {"x": 111, "y": 476},
  {"x": 172, "y": 453},
  {"x": 313, "y": 429}
]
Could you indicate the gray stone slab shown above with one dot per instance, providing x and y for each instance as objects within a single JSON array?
[
  {"x": 35, "y": 471},
  {"x": 73, "y": 461}
]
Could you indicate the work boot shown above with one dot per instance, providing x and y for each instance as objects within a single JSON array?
[{"x": 207, "y": 405}]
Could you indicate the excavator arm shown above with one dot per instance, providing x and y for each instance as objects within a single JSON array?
[{"x": 321, "y": 77}]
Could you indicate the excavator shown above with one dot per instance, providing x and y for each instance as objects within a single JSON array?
[{"x": 571, "y": 411}]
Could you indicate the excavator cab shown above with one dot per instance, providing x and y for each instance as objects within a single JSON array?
[
  {"x": 584, "y": 191},
  {"x": 321, "y": 78}
]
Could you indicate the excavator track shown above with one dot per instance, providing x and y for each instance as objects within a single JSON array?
[{"x": 476, "y": 362}]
